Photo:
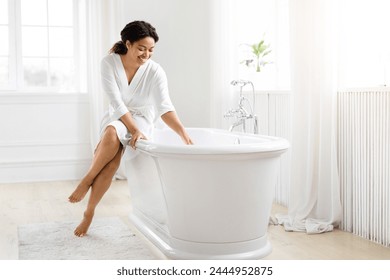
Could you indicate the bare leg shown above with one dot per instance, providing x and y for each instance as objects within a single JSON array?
[
  {"x": 99, "y": 187},
  {"x": 106, "y": 150}
]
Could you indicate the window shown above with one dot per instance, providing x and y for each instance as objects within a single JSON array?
[
  {"x": 364, "y": 43},
  {"x": 4, "y": 57},
  {"x": 43, "y": 45},
  {"x": 266, "y": 20}
]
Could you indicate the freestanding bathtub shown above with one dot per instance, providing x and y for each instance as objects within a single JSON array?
[{"x": 211, "y": 200}]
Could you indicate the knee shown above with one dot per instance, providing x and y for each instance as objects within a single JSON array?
[{"x": 110, "y": 135}]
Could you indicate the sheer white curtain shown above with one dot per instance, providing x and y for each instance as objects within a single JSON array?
[
  {"x": 223, "y": 64},
  {"x": 104, "y": 23},
  {"x": 314, "y": 195}
]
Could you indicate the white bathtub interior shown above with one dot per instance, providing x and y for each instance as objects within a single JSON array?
[{"x": 208, "y": 137}]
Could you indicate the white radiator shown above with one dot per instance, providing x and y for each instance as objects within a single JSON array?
[{"x": 364, "y": 163}]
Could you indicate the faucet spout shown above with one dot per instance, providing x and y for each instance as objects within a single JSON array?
[{"x": 236, "y": 124}]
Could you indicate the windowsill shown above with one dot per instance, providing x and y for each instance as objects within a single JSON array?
[
  {"x": 38, "y": 92},
  {"x": 28, "y": 97}
]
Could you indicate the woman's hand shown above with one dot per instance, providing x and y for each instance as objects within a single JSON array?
[
  {"x": 131, "y": 126},
  {"x": 134, "y": 138},
  {"x": 186, "y": 139},
  {"x": 172, "y": 120}
]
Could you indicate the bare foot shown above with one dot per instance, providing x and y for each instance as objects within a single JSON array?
[
  {"x": 80, "y": 192},
  {"x": 82, "y": 228}
]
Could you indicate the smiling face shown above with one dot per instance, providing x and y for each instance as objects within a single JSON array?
[{"x": 140, "y": 51}]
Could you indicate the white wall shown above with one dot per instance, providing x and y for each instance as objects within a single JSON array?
[
  {"x": 183, "y": 51},
  {"x": 43, "y": 137}
]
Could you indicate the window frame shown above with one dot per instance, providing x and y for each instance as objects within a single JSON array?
[{"x": 15, "y": 56}]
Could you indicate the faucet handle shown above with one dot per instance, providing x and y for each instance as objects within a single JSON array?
[
  {"x": 232, "y": 113},
  {"x": 228, "y": 114}
]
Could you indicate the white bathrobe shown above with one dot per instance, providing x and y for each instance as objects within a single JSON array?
[{"x": 146, "y": 97}]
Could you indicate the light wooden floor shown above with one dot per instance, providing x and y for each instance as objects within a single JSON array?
[{"x": 45, "y": 202}]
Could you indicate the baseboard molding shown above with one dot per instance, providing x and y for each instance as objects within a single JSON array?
[
  {"x": 35, "y": 143},
  {"x": 43, "y": 163}
]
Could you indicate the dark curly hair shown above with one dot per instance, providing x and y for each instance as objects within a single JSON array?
[{"x": 134, "y": 31}]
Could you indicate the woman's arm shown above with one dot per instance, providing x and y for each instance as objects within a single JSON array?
[
  {"x": 165, "y": 108},
  {"x": 172, "y": 120},
  {"x": 131, "y": 126},
  {"x": 111, "y": 88}
]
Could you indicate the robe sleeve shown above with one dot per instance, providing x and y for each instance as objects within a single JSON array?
[
  {"x": 111, "y": 88},
  {"x": 160, "y": 94}
]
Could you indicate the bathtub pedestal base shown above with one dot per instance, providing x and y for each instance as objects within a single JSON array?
[{"x": 175, "y": 248}]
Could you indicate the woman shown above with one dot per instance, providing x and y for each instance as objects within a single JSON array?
[{"x": 138, "y": 92}]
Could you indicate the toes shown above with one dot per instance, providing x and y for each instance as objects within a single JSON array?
[
  {"x": 79, "y": 193},
  {"x": 83, "y": 227},
  {"x": 73, "y": 199},
  {"x": 79, "y": 233}
]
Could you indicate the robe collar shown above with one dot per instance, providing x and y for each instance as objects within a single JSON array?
[{"x": 122, "y": 74}]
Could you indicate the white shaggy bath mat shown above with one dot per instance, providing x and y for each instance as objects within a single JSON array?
[{"x": 107, "y": 239}]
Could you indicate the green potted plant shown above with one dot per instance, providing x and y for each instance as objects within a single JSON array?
[{"x": 258, "y": 52}]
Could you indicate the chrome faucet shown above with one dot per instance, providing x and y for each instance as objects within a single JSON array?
[{"x": 241, "y": 114}]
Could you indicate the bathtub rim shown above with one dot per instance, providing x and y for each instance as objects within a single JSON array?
[{"x": 273, "y": 145}]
